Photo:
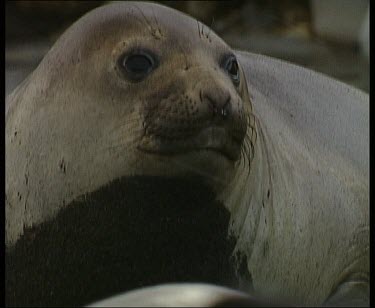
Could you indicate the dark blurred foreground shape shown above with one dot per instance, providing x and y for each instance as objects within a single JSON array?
[
  {"x": 329, "y": 36},
  {"x": 132, "y": 233},
  {"x": 185, "y": 295}
]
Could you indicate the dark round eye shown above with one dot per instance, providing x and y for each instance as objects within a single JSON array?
[
  {"x": 137, "y": 65},
  {"x": 232, "y": 68}
]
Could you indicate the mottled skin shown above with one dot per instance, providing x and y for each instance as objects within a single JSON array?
[{"x": 295, "y": 171}]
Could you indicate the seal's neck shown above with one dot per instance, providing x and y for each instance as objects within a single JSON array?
[
  {"x": 249, "y": 199},
  {"x": 250, "y": 187}
]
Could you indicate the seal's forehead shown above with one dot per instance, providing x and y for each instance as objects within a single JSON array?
[{"x": 149, "y": 19}]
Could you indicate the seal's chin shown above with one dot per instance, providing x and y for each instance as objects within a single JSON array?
[{"x": 215, "y": 140}]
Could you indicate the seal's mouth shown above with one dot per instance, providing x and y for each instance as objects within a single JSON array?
[{"x": 213, "y": 139}]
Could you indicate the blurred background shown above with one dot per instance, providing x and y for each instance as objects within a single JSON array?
[{"x": 328, "y": 36}]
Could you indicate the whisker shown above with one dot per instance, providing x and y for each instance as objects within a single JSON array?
[
  {"x": 199, "y": 29},
  {"x": 242, "y": 157},
  {"x": 248, "y": 153},
  {"x": 210, "y": 29},
  {"x": 123, "y": 143},
  {"x": 127, "y": 123},
  {"x": 212, "y": 22},
  {"x": 145, "y": 18},
  {"x": 156, "y": 20},
  {"x": 124, "y": 135}
]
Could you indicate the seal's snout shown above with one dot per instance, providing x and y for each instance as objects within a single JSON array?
[{"x": 209, "y": 117}]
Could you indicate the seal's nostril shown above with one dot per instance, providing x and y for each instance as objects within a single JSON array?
[
  {"x": 212, "y": 104},
  {"x": 225, "y": 110},
  {"x": 218, "y": 106}
]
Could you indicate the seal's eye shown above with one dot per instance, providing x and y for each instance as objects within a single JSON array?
[
  {"x": 137, "y": 65},
  {"x": 231, "y": 66}
]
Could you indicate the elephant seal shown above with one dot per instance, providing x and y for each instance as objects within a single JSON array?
[{"x": 140, "y": 89}]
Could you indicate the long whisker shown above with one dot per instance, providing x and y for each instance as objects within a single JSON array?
[
  {"x": 210, "y": 29},
  {"x": 242, "y": 157},
  {"x": 202, "y": 29},
  {"x": 145, "y": 18},
  {"x": 156, "y": 20},
  {"x": 247, "y": 154},
  {"x": 124, "y": 135},
  {"x": 127, "y": 123},
  {"x": 123, "y": 142},
  {"x": 199, "y": 32}
]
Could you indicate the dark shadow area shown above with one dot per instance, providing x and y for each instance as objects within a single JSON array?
[{"x": 132, "y": 233}]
